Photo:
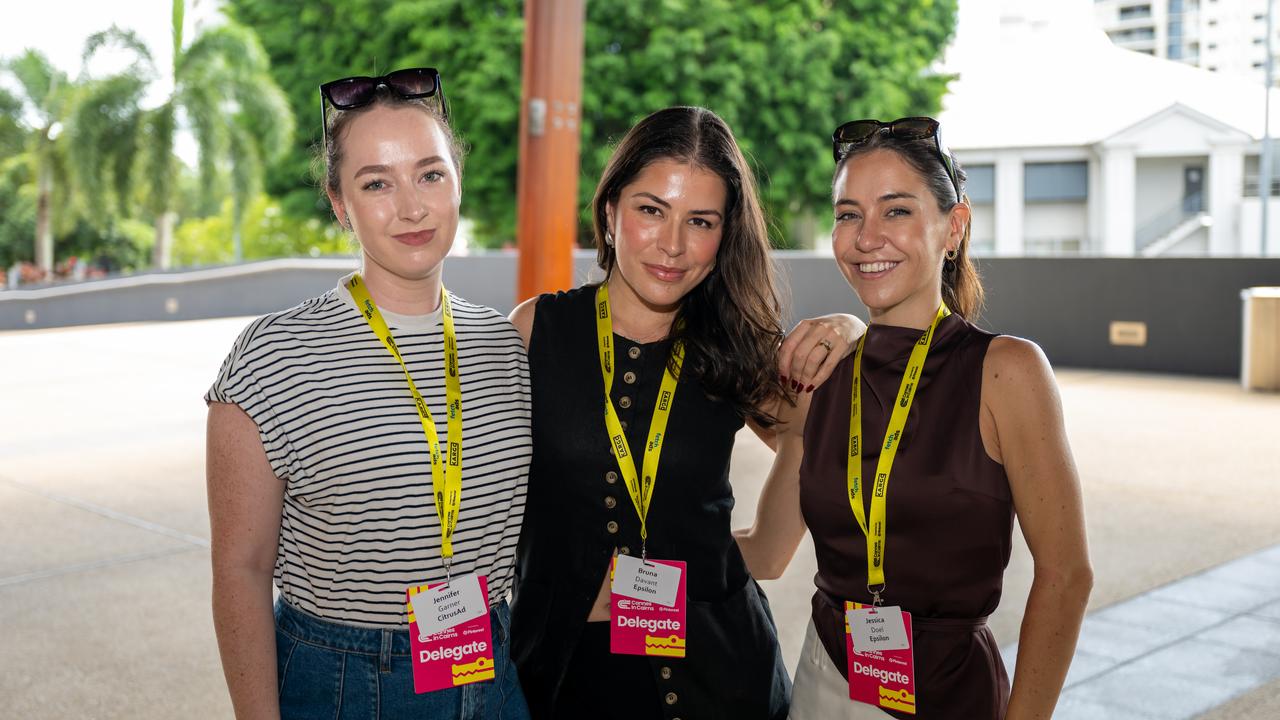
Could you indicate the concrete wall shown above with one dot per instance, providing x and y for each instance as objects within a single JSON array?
[
  {"x": 1191, "y": 306},
  {"x": 1063, "y": 225},
  {"x": 1160, "y": 184}
]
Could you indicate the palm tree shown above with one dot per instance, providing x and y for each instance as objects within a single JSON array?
[
  {"x": 222, "y": 88},
  {"x": 46, "y": 95}
]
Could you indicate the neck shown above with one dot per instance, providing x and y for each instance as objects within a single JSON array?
[
  {"x": 405, "y": 296},
  {"x": 635, "y": 319},
  {"x": 915, "y": 312}
]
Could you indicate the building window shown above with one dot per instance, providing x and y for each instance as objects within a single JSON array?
[
  {"x": 1135, "y": 12},
  {"x": 980, "y": 184},
  {"x": 1142, "y": 33},
  {"x": 1056, "y": 182}
]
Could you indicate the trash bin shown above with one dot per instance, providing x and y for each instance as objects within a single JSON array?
[{"x": 1260, "y": 351}]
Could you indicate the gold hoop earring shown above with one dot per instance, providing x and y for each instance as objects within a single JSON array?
[{"x": 952, "y": 254}]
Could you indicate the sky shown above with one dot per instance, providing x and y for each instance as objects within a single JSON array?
[{"x": 59, "y": 28}]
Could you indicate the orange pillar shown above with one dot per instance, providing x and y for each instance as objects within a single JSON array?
[{"x": 547, "y": 175}]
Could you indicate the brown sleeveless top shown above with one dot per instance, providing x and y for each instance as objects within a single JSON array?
[{"x": 949, "y": 515}]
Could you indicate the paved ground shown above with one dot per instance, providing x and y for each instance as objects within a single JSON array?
[{"x": 104, "y": 577}]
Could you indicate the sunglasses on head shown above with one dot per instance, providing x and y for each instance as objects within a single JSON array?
[
  {"x": 852, "y": 134},
  {"x": 358, "y": 91}
]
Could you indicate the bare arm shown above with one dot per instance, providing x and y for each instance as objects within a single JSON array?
[
  {"x": 1023, "y": 428},
  {"x": 246, "y": 500},
  {"x": 770, "y": 543},
  {"x": 522, "y": 318}
]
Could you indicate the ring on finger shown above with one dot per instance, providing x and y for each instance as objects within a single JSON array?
[{"x": 826, "y": 344}]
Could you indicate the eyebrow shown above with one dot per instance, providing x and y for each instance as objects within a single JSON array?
[
  {"x": 883, "y": 198},
  {"x": 374, "y": 169},
  {"x": 667, "y": 205}
]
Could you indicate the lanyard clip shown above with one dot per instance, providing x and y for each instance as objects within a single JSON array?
[
  {"x": 875, "y": 594},
  {"x": 448, "y": 564}
]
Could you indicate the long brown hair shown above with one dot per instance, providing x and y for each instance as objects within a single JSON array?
[
  {"x": 961, "y": 286},
  {"x": 730, "y": 322}
]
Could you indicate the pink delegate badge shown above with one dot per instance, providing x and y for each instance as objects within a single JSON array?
[
  {"x": 883, "y": 678},
  {"x": 645, "y": 627},
  {"x": 455, "y": 656}
]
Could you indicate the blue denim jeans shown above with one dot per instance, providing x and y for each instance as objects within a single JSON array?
[{"x": 332, "y": 670}]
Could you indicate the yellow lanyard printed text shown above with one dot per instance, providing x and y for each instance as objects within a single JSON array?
[
  {"x": 641, "y": 492},
  {"x": 446, "y": 473},
  {"x": 889, "y": 449}
]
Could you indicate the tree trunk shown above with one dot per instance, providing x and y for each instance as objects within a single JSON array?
[
  {"x": 44, "y": 221},
  {"x": 162, "y": 255}
]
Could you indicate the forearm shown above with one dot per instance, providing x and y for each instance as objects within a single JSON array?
[
  {"x": 770, "y": 543},
  {"x": 243, "y": 621},
  {"x": 761, "y": 563},
  {"x": 1050, "y": 627}
]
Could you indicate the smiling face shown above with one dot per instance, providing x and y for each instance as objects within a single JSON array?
[
  {"x": 890, "y": 236},
  {"x": 399, "y": 192},
  {"x": 666, "y": 227}
]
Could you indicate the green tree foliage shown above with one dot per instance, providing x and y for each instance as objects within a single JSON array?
[
  {"x": 45, "y": 98},
  {"x": 783, "y": 73},
  {"x": 268, "y": 233},
  {"x": 223, "y": 90}
]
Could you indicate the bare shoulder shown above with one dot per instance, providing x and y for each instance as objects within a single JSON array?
[
  {"x": 522, "y": 318},
  {"x": 1014, "y": 360},
  {"x": 1016, "y": 372}
]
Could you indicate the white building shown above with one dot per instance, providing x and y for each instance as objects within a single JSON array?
[
  {"x": 1227, "y": 36},
  {"x": 1076, "y": 146}
]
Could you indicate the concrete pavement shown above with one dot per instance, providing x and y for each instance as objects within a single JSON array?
[{"x": 104, "y": 578}]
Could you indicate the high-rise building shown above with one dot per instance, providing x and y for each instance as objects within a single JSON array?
[{"x": 1227, "y": 36}]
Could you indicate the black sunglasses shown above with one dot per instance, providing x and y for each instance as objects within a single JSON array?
[
  {"x": 851, "y": 134},
  {"x": 354, "y": 92}
]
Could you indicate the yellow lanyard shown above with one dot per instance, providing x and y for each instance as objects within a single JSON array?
[
  {"x": 641, "y": 493},
  {"x": 892, "y": 439},
  {"x": 446, "y": 476}
]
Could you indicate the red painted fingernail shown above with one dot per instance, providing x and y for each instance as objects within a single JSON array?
[
  {"x": 809, "y": 389},
  {"x": 784, "y": 378}
]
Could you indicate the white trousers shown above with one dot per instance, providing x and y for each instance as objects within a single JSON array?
[{"x": 820, "y": 692}]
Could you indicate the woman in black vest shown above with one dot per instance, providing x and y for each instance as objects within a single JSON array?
[{"x": 688, "y": 295}]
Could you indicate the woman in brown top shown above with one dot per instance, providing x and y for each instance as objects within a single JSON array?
[{"x": 978, "y": 439}]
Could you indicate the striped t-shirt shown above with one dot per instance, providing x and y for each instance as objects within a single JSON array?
[{"x": 341, "y": 431}]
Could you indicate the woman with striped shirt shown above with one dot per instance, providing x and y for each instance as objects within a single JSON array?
[{"x": 368, "y": 452}]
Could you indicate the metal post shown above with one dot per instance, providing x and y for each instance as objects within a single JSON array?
[
  {"x": 1264, "y": 171},
  {"x": 547, "y": 175}
]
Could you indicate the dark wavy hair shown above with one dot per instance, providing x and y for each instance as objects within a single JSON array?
[
  {"x": 730, "y": 323},
  {"x": 961, "y": 286}
]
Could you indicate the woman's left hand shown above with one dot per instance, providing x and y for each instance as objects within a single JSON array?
[{"x": 812, "y": 349}]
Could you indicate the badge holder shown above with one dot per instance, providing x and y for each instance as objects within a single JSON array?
[
  {"x": 881, "y": 659},
  {"x": 647, "y": 607},
  {"x": 450, "y": 634}
]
